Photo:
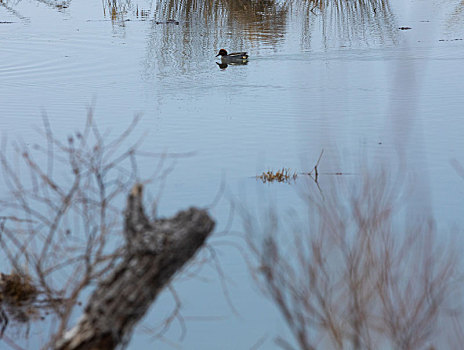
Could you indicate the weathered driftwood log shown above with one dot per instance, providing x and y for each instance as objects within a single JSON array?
[{"x": 155, "y": 252}]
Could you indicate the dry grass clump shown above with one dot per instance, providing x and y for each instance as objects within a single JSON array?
[
  {"x": 286, "y": 175},
  {"x": 283, "y": 175},
  {"x": 16, "y": 289},
  {"x": 17, "y": 297}
]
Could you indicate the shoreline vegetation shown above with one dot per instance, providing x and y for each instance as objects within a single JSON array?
[
  {"x": 63, "y": 234},
  {"x": 362, "y": 270}
]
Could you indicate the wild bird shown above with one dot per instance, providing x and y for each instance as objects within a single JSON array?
[{"x": 233, "y": 58}]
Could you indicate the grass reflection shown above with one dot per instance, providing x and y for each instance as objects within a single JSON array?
[
  {"x": 260, "y": 25},
  {"x": 454, "y": 22},
  {"x": 117, "y": 10},
  {"x": 347, "y": 22},
  {"x": 364, "y": 20},
  {"x": 10, "y": 5},
  {"x": 60, "y": 5},
  {"x": 259, "y": 22},
  {"x": 252, "y": 20},
  {"x": 268, "y": 20}
]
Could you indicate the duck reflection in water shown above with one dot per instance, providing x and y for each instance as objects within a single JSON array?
[{"x": 234, "y": 58}]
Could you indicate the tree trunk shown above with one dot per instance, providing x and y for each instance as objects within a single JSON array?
[{"x": 155, "y": 252}]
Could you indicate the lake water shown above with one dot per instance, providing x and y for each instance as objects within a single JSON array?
[{"x": 340, "y": 78}]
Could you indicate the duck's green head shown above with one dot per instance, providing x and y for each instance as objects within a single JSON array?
[{"x": 222, "y": 52}]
